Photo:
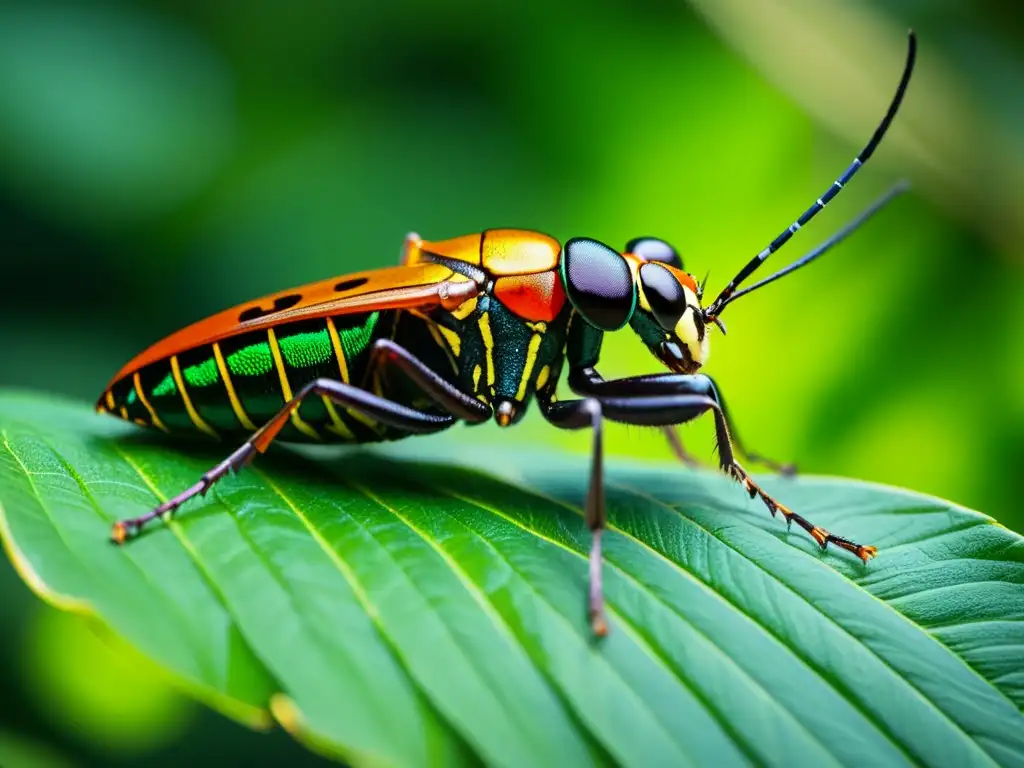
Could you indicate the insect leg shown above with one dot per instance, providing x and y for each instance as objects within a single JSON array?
[
  {"x": 666, "y": 409},
  {"x": 587, "y": 381},
  {"x": 788, "y": 469},
  {"x": 452, "y": 399},
  {"x": 578, "y": 414},
  {"x": 676, "y": 443},
  {"x": 378, "y": 408}
]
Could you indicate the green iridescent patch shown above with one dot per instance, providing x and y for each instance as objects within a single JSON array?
[
  {"x": 254, "y": 360},
  {"x": 166, "y": 387},
  {"x": 306, "y": 350},
  {"x": 354, "y": 340},
  {"x": 202, "y": 374}
]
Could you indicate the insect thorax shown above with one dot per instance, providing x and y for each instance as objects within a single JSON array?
[{"x": 497, "y": 356}]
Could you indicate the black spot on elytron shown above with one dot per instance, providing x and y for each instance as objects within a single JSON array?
[
  {"x": 351, "y": 285},
  {"x": 599, "y": 283},
  {"x": 664, "y": 294},
  {"x": 285, "y": 302},
  {"x": 280, "y": 303},
  {"x": 653, "y": 249}
]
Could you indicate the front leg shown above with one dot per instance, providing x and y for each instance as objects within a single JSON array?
[
  {"x": 587, "y": 381},
  {"x": 659, "y": 410}
]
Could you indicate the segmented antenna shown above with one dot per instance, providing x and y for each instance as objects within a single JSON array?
[
  {"x": 820, "y": 250},
  {"x": 716, "y": 306}
]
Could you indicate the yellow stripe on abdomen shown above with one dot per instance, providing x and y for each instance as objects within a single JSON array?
[
  {"x": 236, "y": 404},
  {"x": 337, "y": 426},
  {"x": 343, "y": 371},
  {"x": 286, "y": 389},
  {"x": 189, "y": 407},
  {"x": 338, "y": 352},
  {"x": 146, "y": 404}
]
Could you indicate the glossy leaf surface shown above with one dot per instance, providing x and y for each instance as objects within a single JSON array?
[{"x": 391, "y": 609}]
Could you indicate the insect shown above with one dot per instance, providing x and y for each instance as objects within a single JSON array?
[{"x": 466, "y": 329}]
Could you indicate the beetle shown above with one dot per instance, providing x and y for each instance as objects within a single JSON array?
[{"x": 466, "y": 329}]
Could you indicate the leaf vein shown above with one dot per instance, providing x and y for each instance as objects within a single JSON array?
[
  {"x": 898, "y": 677},
  {"x": 357, "y": 588},
  {"x": 687, "y": 683},
  {"x": 898, "y": 745},
  {"x": 479, "y": 597}
]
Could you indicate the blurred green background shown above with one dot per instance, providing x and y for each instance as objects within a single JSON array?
[{"x": 163, "y": 160}]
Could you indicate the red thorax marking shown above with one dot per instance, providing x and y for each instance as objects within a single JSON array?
[{"x": 535, "y": 297}]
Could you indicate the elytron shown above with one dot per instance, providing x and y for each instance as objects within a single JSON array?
[{"x": 466, "y": 329}]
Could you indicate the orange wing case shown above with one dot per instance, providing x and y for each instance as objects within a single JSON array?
[{"x": 421, "y": 286}]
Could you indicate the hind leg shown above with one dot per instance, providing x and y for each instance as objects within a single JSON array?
[{"x": 457, "y": 405}]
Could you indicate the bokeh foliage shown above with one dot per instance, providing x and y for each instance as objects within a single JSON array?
[{"x": 160, "y": 161}]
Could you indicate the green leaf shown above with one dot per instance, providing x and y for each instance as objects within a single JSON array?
[{"x": 391, "y": 609}]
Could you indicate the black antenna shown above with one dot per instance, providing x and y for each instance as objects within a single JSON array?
[
  {"x": 728, "y": 292},
  {"x": 837, "y": 238}
]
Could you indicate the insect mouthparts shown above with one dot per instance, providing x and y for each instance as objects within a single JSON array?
[{"x": 709, "y": 318}]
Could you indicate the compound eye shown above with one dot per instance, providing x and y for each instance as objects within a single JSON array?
[
  {"x": 599, "y": 283},
  {"x": 664, "y": 294},
  {"x": 653, "y": 249}
]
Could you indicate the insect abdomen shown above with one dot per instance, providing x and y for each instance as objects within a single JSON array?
[{"x": 234, "y": 386}]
